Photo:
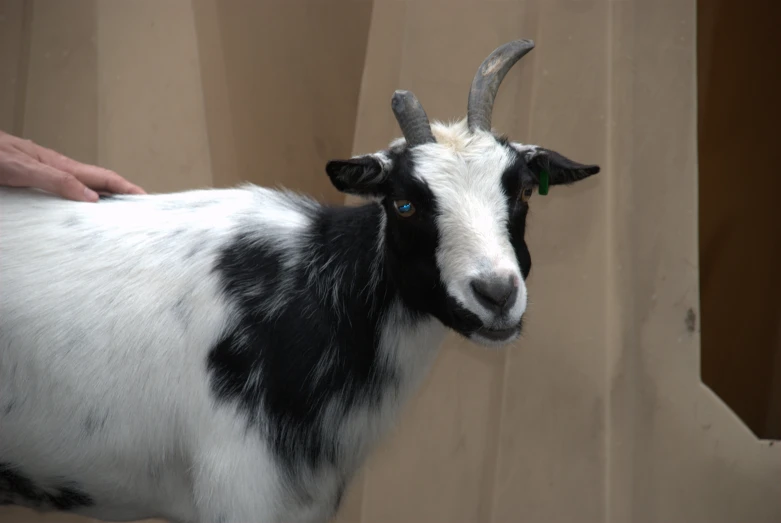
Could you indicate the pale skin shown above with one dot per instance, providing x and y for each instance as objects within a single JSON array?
[{"x": 24, "y": 163}]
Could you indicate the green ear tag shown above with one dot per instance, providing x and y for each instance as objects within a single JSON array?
[{"x": 544, "y": 183}]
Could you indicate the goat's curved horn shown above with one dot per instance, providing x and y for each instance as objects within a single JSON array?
[
  {"x": 412, "y": 118},
  {"x": 487, "y": 80}
]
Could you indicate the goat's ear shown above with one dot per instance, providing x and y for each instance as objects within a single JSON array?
[
  {"x": 362, "y": 175},
  {"x": 561, "y": 170}
]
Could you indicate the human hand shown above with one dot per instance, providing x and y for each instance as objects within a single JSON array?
[{"x": 26, "y": 164}]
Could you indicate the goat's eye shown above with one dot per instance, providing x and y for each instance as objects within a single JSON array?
[
  {"x": 404, "y": 208},
  {"x": 526, "y": 193}
]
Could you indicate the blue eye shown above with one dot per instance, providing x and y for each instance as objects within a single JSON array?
[{"x": 404, "y": 208}]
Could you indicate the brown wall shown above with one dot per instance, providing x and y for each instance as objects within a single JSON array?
[
  {"x": 281, "y": 82},
  {"x": 739, "y": 211},
  {"x": 14, "y": 30}
]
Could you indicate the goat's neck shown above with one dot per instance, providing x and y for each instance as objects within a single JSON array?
[
  {"x": 369, "y": 289},
  {"x": 327, "y": 352}
]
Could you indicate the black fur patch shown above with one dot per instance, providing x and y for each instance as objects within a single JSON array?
[
  {"x": 293, "y": 365},
  {"x": 18, "y": 489}
]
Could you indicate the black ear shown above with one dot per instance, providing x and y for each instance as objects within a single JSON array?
[
  {"x": 363, "y": 175},
  {"x": 561, "y": 170}
]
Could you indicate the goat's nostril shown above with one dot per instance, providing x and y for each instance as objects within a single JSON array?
[{"x": 496, "y": 294}]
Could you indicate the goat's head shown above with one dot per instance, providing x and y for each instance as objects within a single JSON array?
[{"x": 456, "y": 198}]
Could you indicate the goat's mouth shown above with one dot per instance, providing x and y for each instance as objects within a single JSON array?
[
  {"x": 498, "y": 335},
  {"x": 466, "y": 323},
  {"x": 495, "y": 336}
]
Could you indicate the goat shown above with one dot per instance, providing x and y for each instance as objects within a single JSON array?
[{"x": 232, "y": 355}]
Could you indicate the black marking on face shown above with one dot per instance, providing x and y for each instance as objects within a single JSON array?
[
  {"x": 18, "y": 489},
  {"x": 516, "y": 179},
  {"x": 412, "y": 245}
]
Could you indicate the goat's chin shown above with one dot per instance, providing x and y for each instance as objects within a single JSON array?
[
  {"x": 470, "y": 326},
  {"x": 495, "y": 338}
]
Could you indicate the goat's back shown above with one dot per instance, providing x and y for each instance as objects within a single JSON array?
[{"x": 107, "y": 313}]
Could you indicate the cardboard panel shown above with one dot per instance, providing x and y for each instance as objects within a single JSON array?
[
  {"x": 15, "y": 17},
  {"x": 676, "y": 452},
  {"x": 552, "y": 430},
  {"x": 292, "y": 74},
  {"x": 151, "y": 107},
  {"x": 60, "y": 98}
]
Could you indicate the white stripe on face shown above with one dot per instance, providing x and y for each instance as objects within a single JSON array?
[{"x": 474, "y": 250}]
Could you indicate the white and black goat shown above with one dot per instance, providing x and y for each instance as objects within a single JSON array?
[{"x": 231, "y": 355}]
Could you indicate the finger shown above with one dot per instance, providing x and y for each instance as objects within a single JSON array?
[
  {"x": 25, "y": 146},
  {"x": 103, "y": 180},
  {"x": 95, "y": 177},
  {"x": 42, "y": 176}
]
